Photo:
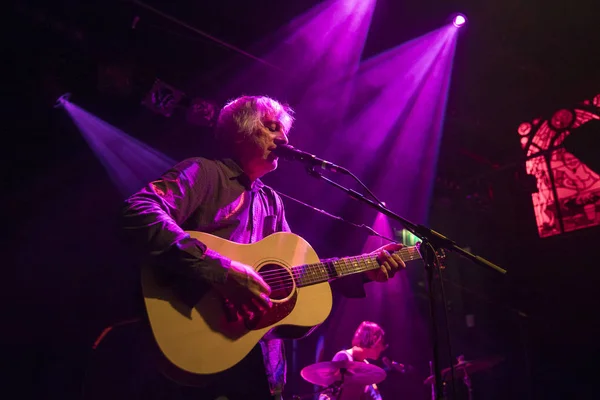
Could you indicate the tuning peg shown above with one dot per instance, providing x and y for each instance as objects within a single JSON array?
[{"x": 441, "y": 256}]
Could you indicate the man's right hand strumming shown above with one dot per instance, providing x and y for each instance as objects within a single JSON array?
[{"x": 245, "y": 293}]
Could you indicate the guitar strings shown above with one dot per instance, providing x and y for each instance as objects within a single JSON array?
[
  {"x": 368, "y": 258},
  {"x": 288, "y": 281},
  {"x": 284, "y": 278},
  {"x": 308, "y": 268}
]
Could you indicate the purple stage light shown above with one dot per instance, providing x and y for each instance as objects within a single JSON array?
[
  {"x": 62, "y": 100},
  {"x": 459, "y": 20}
]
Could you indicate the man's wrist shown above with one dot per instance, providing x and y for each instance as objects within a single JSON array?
[{"x": 224, "y": 262}]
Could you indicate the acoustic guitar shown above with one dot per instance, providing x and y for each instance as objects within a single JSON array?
[{"x": 201, "y": 341}]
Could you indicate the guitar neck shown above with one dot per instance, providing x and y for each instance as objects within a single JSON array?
[{"x": 334, "y": 268}]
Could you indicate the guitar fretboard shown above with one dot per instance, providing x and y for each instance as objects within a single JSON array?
[{"x": 328, "y": 270}]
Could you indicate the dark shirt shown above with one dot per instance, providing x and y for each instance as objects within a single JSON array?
[
  {"x": 216, "y": 197},
  {"x": 213, "y": 196}
]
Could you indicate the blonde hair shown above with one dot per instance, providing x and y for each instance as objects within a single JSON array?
[
  {"x": 241, "y": 117},
  {"x": 367, "y": 334}
]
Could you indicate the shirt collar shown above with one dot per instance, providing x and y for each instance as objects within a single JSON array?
[{"x": 234, "y": 171}]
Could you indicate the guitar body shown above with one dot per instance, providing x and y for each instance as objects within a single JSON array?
[{"x": 199, "y": 341}]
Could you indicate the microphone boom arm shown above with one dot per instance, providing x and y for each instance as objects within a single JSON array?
[
  {"x": 432, "y": 241},
  {"x": 421, "y": 231}
]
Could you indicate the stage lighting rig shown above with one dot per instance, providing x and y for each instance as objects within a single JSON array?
[
  {"x": 163, "y": 98},
  {"x": 459, "y": 20}
]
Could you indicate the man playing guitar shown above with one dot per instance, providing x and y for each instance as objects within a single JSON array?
[{"x": 224, "y": 196}]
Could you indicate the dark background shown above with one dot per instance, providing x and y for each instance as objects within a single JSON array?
[{"x": 67, "y": 269}]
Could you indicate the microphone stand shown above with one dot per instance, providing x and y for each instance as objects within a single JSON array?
[{"x": 431, "y": 243}]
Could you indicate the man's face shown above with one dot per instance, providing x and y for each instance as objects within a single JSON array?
[
  {"x": 378, "y": 348},
  {"x": 255, "y": 152}
]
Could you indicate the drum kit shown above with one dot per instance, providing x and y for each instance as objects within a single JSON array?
[{"x": 333, "y": 376}]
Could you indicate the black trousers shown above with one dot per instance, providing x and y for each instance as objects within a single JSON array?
[{"x": 123, "y": 367}]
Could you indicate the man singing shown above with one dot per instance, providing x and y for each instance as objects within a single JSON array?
[{"x": 224, "y": 196}]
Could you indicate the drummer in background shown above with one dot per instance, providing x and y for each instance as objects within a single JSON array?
[{"x": 368, "y": 344}]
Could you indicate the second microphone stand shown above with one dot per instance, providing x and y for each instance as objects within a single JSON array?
[{"x": 431, "y": 244}]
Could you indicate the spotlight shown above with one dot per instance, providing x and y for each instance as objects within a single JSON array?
[
  {"x": 163, "y": 98},
  {"x": 459, "y": 20},
  {"x": 62, "y": 100},
  {"x": 202, "y": 112}
]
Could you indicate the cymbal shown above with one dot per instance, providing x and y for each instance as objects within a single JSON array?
[
  {"x": 355, "y": 373},
  {"x": 463, "y": 368}
]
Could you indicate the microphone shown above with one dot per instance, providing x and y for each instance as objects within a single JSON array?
[
  {"x": 396, "y": 366},
  {"x": 291, "y": 153}
]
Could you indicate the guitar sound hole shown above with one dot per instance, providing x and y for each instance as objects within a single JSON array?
[{"x": 279, "y": 279}]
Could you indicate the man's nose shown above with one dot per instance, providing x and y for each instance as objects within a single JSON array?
[{"x": 281, "y": 138}]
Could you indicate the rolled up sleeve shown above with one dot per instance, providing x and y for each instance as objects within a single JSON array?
[{"x": 153, "y": 216}]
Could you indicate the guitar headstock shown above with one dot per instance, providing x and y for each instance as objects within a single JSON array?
[{"x": 440, "y": 255}]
